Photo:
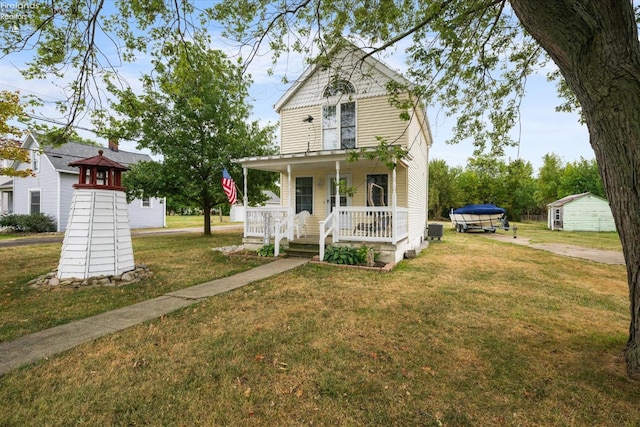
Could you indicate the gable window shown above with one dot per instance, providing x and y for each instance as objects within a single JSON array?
[
  {"x": 378, "y": 190},
  {"x": 339, "y": 87},
  {"x": 304, "y": 194},
  {"x": 35, "y": 160},
  {"x": 34, "y": 202},
  {"x": 339, "y": 119}
]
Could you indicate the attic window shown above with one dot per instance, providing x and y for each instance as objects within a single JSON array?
[{"x": 339, "y": 87}]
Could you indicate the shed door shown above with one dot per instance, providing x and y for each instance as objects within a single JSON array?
[{"x": 557, "y": 218}]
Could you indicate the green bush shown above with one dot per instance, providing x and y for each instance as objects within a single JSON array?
[
  {"x": 34, "y": 223},
  {"x": 346, "y": 255},
  {"x": 267, "y": 250}
]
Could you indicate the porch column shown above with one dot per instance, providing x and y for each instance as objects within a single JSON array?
[
  {"x": 394, "y": 206},
  {"x": 336, "y": 217},
  {"x": 337, "y": 184},
  {"x": 245, "y": 199},
  {"x": 292, "y": 208}
]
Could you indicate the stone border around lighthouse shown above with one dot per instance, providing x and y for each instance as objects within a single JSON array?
[{"x": 139, "y": 274}]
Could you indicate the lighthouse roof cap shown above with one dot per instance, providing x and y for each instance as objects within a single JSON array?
[{"x": 100, "y": 160}]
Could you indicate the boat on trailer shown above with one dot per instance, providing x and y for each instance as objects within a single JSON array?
[{"x": 483, "y": 217}]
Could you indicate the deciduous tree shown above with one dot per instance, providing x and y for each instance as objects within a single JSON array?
[
  {"x": 193, "y": 113},
  {"x": 11, "y": 109},
  {"x": 471, "y": 57}
]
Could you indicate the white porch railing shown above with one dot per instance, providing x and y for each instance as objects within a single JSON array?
[
  {"x": 326, "y": 228},
  {"x": 269, "y": 222},
  {"x": 372, "y": 224},
  {"x": 262, "y": 219},
  {"x": 345, "y": 223},
  {"x": 283, "y": 229}
]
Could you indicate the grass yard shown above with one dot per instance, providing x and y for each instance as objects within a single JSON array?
[
  {"x": 473, "y": 332},
  {"x": 177, "y": 261},
  {"x": 184, "y": 221}
]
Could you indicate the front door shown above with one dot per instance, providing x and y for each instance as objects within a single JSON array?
[{"x": 345, "y": 200}]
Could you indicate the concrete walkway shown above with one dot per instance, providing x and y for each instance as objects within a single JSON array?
[
  {"x": 43, "y": 344},
  {"x": 597, "y": 255}
]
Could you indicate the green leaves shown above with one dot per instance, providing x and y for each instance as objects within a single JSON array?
[
  {"x": 348, "y": 256},
  {"x": 192, "y": 112}
]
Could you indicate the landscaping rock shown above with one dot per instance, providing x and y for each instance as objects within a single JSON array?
[{"x": 140, "y": 273}]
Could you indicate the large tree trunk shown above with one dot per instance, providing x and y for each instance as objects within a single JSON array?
[{"x": 595, "y": 45}]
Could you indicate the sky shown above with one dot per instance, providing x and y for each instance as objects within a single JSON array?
[{"x": 541, "y": 129}]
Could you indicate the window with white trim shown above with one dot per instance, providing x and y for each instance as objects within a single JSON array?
[
  {"x": 378, "y": 190},
  {"x": 339, "y": 118},
  {"x": 35, "y": 160},
  {"x": 146, "y": 202},
  {"x": 34, "y": 202},
  {"x": 304, "y": 194}
]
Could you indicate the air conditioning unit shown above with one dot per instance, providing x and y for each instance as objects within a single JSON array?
[{"x": 435, "y": 231}]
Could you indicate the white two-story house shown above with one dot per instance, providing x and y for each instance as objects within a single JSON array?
[
  {"x": 50, "y": 190},
  {"x": 332, "y": 110}
]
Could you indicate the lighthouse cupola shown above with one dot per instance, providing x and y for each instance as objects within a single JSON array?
[{"x": 99, "y": 172}]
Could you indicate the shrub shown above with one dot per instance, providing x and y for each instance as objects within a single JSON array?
[
  {"x": 348, "y": 256},
  {"x": 266, "y": 250},
  {"x": 34, "y": 223}
]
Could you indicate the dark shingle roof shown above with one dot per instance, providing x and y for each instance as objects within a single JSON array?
[{"x": 61, "y": 156}]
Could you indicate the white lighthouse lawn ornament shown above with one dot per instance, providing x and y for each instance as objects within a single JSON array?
[{"x": 97, "y": 241}]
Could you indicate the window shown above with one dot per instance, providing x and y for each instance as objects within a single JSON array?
[
  {"x": 35, "y": 160},
  {"x": 304, "y": 194},
  {"x": 557, "y": 214},
  {"x": 339, "y": 87},
  {"x": 339, "y": 119},
  {"x": 343, "y": 125},
  {"x": 34, "y": 202},
  {"x": 146, "y": 202},
  {"x": 378, "y": 190}
]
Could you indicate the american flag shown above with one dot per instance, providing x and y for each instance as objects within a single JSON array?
[{"x": 229, "y": 187}]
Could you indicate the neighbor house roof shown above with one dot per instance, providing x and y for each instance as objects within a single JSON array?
[
  {"x": 272, "y": 198},
  {"x": 61, "y": 156},
  {"x": 567, "y": 199},
  {"x": 6, "y": 185}
]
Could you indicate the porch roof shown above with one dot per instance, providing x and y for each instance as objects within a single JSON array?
[{"x": 316, "y": 159}]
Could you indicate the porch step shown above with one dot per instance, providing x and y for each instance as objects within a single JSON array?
[{"x": 303, "y": 249}]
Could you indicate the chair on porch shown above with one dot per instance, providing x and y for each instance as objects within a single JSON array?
[{"x": 300, "y": 221}]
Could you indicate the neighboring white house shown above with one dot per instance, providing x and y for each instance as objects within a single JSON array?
[
  {"x": 336, "y": 108},
  {"x": 51, "y": 189},
  {"x": 580, "y": 212}
]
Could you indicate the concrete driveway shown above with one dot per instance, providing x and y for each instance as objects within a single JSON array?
[{"x": 597, "y": 255}]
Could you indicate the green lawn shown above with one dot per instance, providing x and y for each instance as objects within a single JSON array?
[
  {"x": 472, "y": 332},
  {"x": 177, "y": 261}
]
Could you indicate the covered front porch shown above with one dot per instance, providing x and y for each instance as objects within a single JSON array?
[{"x": 350, "y": 203}]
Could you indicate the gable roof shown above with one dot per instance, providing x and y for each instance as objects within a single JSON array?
[
  {"x": 99, "y": 160},
  {"x": 61, "y": 156},
  {"x": 571, "y": 198},
  {"x": 346, "y": 49}
]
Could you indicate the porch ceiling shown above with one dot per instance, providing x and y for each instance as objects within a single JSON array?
[{"x": 299, "y": 161}]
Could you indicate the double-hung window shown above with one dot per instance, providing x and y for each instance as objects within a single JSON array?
[
  {"x": 34, "y": 202},
  {"x": 339, "y": 118},
  {"x": 35, "y": 160}
]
